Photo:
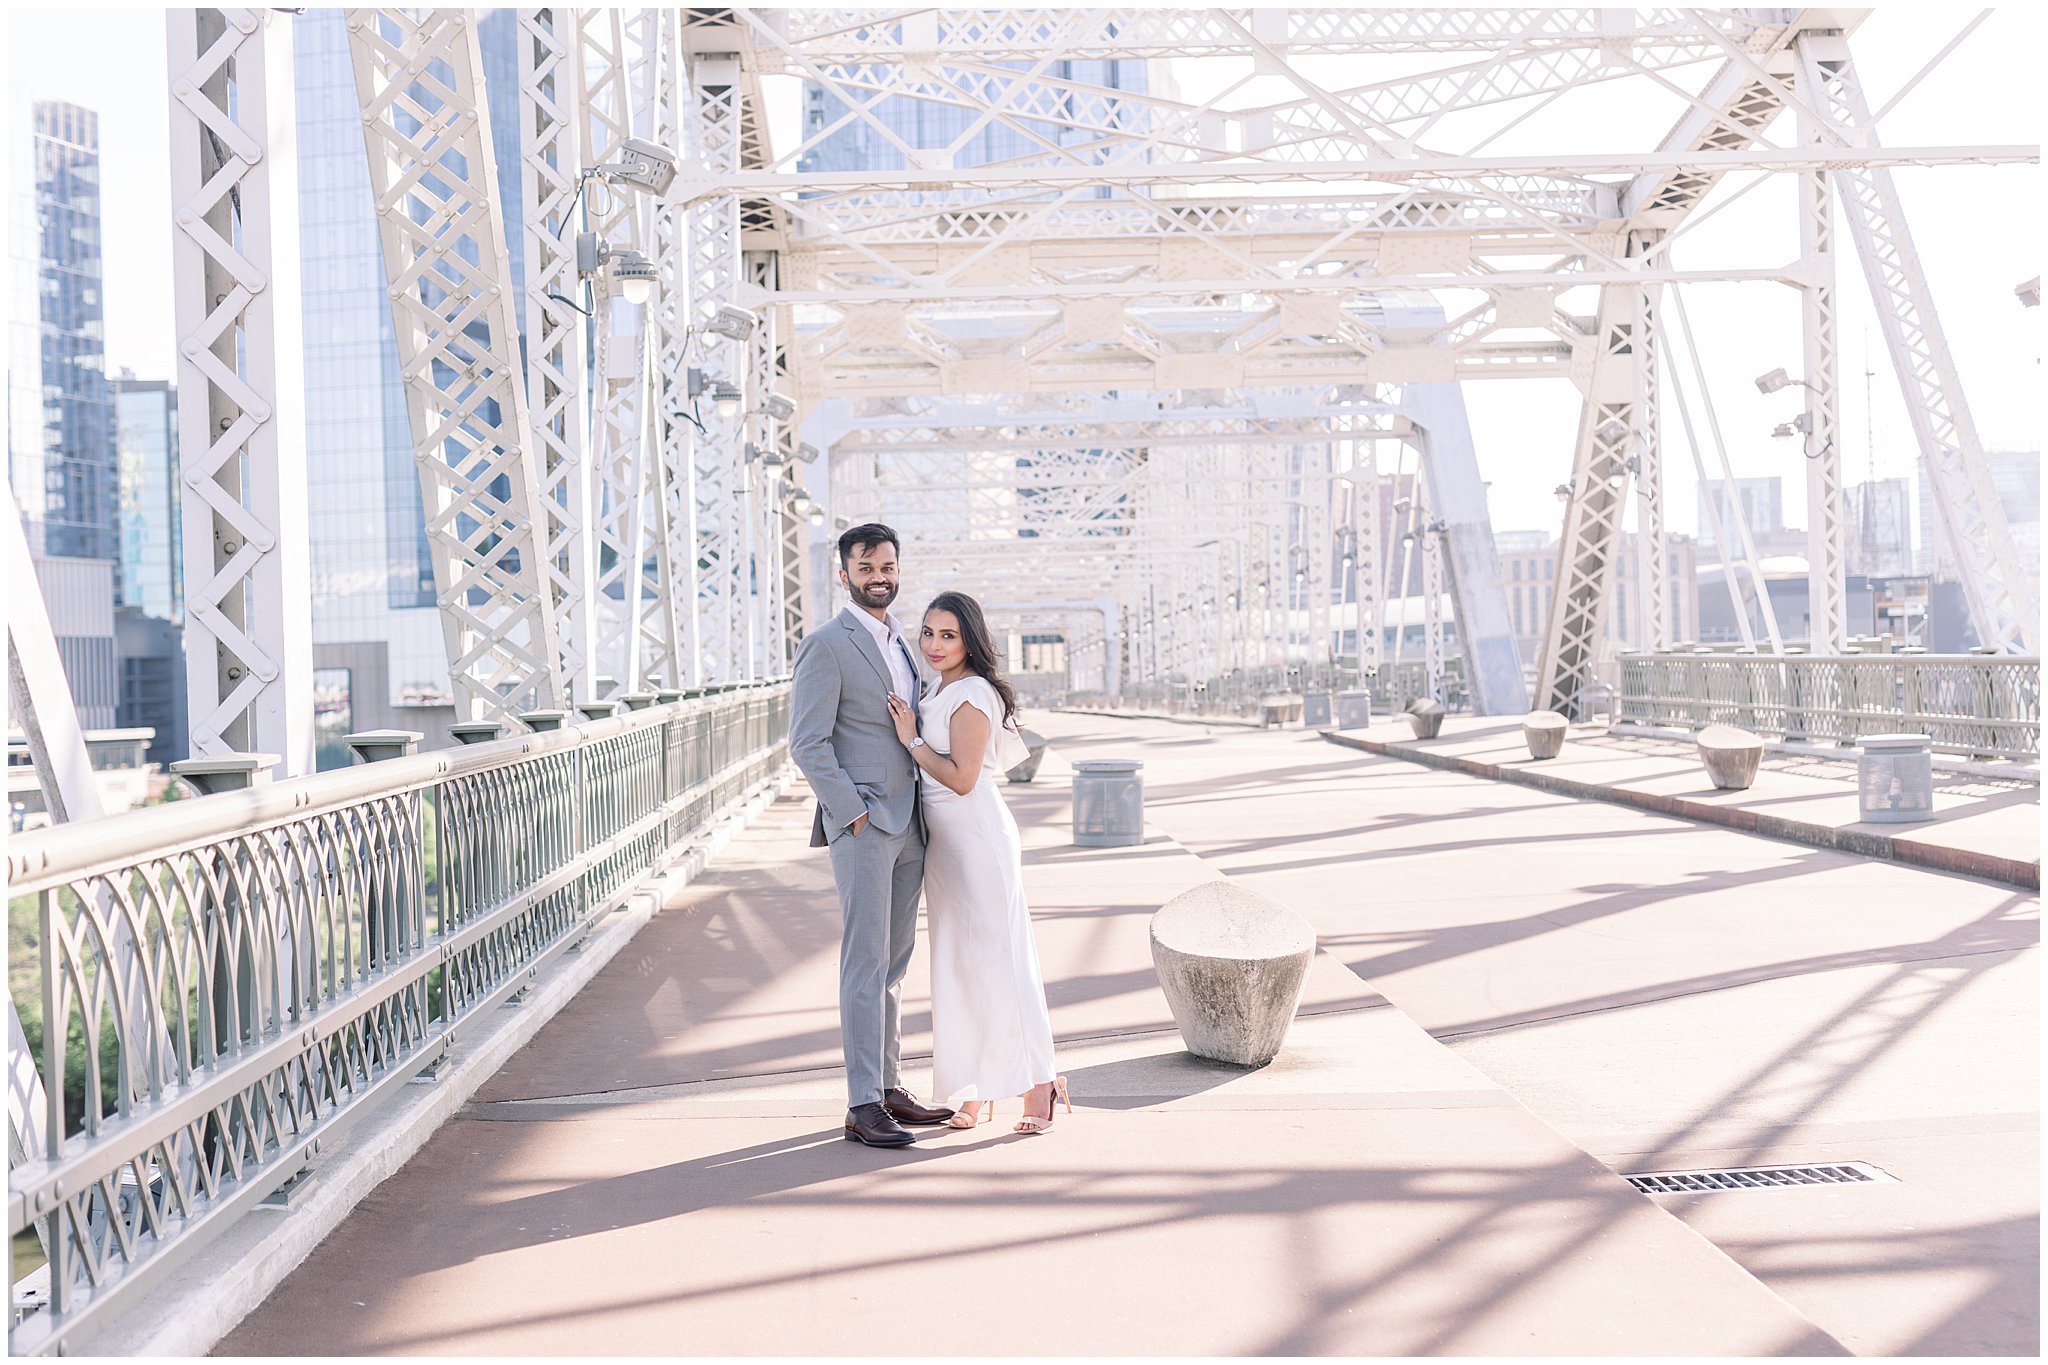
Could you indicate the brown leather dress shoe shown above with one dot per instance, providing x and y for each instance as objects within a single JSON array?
[
  {"x": 871, "y": 1124},
  {"x": 904, "y": 1108}
]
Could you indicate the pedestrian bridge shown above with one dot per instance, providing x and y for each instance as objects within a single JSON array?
[{"x": 476, "y": 1053}]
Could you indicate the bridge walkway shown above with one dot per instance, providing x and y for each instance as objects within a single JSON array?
[{"x": 1517, "y": 995}]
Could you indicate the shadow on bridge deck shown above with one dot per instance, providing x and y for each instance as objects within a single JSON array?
[{"x": 660, "y": 1171}]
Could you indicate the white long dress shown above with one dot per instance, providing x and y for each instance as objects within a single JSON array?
[{"x": 991, "y": 1037}]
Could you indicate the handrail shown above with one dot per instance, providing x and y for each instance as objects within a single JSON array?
[
  {"x": 223, "y": 985},
  {"x": 1979, "y": 705}
]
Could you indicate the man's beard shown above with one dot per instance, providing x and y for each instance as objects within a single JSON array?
[{"x": 876, "y": 594}]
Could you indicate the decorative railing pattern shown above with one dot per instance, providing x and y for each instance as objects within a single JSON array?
[
  {"x": 1983, "y": 705},
  {"x": 215, "y": 988},
  {"x": 1240, "y": 694}
]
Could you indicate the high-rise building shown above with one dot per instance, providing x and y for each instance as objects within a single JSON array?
[
  {"x": 1528, "y": 566},
  {"x": 149, "y": 613},
  {"x": 78, "y": 486},
  {"x": 2016, "y": 474},
  {"x": 60, "y": 434},
  {"x": 146, "y": 441},
  {"x": 1881, "y": 525},
  {"x": 379, "y": 656}
]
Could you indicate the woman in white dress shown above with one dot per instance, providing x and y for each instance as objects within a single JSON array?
[{"x": 991, "y": 1037}]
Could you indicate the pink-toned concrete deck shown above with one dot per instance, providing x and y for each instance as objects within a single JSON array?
[{"x": 1607, "y": 989}]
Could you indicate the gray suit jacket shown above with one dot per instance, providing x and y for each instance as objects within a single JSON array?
[{"x": 840, "y": 734}]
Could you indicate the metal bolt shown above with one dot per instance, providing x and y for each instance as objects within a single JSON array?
[{"x": 234, "y": 674}]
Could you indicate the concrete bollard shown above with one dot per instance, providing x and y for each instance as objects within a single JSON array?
[
  {"x": 1426, "y": 717},
  {"x": 1543, "y": 732},
  {"x": 1730, "y": 756},
  {"x": 1232, "y": 964},
  {"x": 1034, "y": 747}
]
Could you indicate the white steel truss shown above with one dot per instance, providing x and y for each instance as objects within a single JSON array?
[
  {"x": 1059, "y": 321},
  {"x": 2003, "y": 601},
  {"x": 419, "y": 81},
  {"x": 550, "y": 96},
  {"x": 241, "y": 392}
]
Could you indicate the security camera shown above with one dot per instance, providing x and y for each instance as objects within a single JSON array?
[{"x": 729, "y": 321}]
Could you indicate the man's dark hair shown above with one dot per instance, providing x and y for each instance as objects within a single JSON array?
[{"x": 866, "y": 537}]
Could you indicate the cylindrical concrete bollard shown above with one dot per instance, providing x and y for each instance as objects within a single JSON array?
[
  {"x": 1232, "y": 964},
  {"x": 1543, "y": 732}
]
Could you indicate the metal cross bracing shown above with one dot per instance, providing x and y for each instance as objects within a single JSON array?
[
  {"x": 551, "y": 158},
  {"x": 419, "y": 80},
  {"x": 241, "y": 391},
  {"x": 1132, "y": 239},
  {"x": 1131, "y": 277}
]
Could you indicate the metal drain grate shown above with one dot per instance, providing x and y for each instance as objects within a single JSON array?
[{"x": 1758, "y": 1178}]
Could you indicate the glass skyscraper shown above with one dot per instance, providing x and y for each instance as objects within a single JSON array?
[
  {"x": 152, "y": 550},
  {"x": 60, "y": 430},
  {"x": 78, "y": 510}
]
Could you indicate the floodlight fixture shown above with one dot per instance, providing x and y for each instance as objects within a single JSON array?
[
  {"x": 799, "y": 501},
  {"x": 1802, "y": 425},
  {"x": 725, "y": 396},
  {"x": 2029, "y": 294},
  {"x": 817, "y": 515},
  {"x": 780, "y": 406},
  {"x": 733, "y": 322},
  {"x": 641, "y": 164},
  {"x": 805, "y": 452},
  {"x": 1563, "y": 491},
  {"x": 635, "y": 275},
  {"x": 1611, "y": 432}
]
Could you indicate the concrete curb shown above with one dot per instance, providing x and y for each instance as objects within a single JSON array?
[
  {"x": 202, "y": 1302},
  {"x": 1865, "y": 843},
  {"x": 1161, "y": 715}
]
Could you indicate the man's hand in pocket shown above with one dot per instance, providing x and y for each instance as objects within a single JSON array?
[{"x": 858, "y": 825}]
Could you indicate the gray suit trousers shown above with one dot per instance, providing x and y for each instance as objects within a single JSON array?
[{"x": 879, "y": 878}]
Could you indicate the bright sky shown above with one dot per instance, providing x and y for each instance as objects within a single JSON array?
[{"x": 1971, "y": 226}]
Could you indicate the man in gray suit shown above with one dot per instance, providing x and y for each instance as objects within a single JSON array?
[{"x": 842, "y": 738}]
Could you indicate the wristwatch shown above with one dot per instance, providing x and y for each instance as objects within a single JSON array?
[{"x": 917, "y": 741}]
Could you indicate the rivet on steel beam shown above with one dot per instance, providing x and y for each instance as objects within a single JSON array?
[{"x": 257, "y": 283}]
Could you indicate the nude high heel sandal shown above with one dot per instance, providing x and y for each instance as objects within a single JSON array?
[{"x": 1031, "y": 1123}]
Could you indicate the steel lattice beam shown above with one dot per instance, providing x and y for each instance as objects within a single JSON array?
[
  {"x": 241, "y": 390},
  {"x": 419, "y": 82},
  {"x": 2003, "y": 602}
]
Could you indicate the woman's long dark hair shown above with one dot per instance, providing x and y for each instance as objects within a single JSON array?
[{"x": 981, "y": 646}]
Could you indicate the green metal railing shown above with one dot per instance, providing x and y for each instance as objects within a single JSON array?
[{"x": 215, "y": 989}]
